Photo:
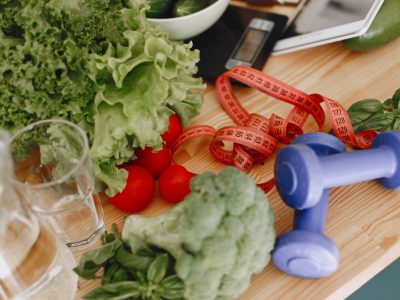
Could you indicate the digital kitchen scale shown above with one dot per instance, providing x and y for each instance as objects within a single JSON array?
[{"x": 242, "y": 37}]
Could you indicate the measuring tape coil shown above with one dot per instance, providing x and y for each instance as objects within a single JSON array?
[{"x": 254, "y": 137}]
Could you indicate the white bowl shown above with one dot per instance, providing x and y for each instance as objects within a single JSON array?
[{"x": 182, "y": 28}]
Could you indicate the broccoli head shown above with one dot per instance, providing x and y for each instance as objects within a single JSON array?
[{"x": 219, "y": 235}]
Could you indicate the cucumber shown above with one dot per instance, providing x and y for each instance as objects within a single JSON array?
[
  {"x": 188, "y": 7},
  {"x": 384, "y": 28},
  {"x": 158, "y": 8}
]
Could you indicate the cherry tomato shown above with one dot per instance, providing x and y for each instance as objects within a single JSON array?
[
  {"x": 174, "y": 183},
  {"x": 138, "y": 193},
  {"x": 173, "y": 131},
  {"x": 155, "y": 163}
]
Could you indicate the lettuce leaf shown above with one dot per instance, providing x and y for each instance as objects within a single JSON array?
[
  {"x": 142, "y": 84},
  {"x": 100, "y": 64}
]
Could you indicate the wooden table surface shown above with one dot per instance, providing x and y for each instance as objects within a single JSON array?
[{"x": 363, "y": 219}]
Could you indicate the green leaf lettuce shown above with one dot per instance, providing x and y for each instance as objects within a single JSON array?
[{"x": 101, "y": 65}]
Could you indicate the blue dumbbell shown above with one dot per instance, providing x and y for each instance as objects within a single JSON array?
[
  {"x": 306, "y": 252},
  {"x": 302, "y": 176}
]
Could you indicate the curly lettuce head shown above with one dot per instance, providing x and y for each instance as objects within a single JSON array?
[
  {"x": 42, "y": 72},
  {"x": 101, "y": 65}
]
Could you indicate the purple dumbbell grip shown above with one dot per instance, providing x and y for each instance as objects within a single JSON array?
[
  {"x": 313, "y": 219},
  {"x": 356, "y": 166}
]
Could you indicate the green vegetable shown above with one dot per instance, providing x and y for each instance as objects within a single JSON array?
[
  {"x": 92, "y": 261},
  {"x": 119, "y": 275},
  {"x": 363, "y": 110},
  {"x": 158, "y": 8},
  {"x": 206, "y": 247},
  {"x": 396, "y": 124},
  {"x": 188, "y": 7},
  {"x": 116, "y": 291},
  {"x": 133, "y": 260},
  {"x": 101, "y": 65},
  {"x": 396, "y": 99},
  {"x": 388, "y": 104},
  {"x": 384, "y": 28},
  {"x": 380, "y": 122},
  {"x": 372, "y": 114},
  {"x": 137, "y": 271},
  {"x": 42, "y": 70},
  {"x": 63, "y": 146},
  {"x": 219, "y": 235}
]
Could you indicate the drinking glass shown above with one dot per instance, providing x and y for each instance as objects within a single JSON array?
[
  {"x": 54, "y": 174},
  {"x": 33, "y": 264}
]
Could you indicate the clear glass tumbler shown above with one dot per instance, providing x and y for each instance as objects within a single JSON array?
[
  {"x": 54, "y": 174},
  {"x": 33, "y": 263}
]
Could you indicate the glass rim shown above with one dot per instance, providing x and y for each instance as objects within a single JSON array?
[{"x": 70, "y": 172}]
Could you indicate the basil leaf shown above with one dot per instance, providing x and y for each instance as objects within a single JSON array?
[
  {"x": 364, "y": 109},
  {"x": 380, "y": 122},
  {"x": 396, "y": 124},
  {"x": 171, "y": 294},
  {"x": 158, "y": 268},
  {"x": 109, "y": 273},
  {"x": 93, "y": 260},
  {"x": 396, "y": 99},
  {"x": 110, "y": 237},
  {"x": 88, "y": 271},
  {"x": 172, "y": 288},
  {"x": 120, "y": 275},
  {"x": 115, "y": 291},
  {"x": 154, "y": 296},
  {"x": 133, "y": 261},
  {"x": 172, "y": 282},
  {"x": 388, "y": 104},
  {"x": 141, "y": 277}
]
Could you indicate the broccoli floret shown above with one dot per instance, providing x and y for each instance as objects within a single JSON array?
[{"x": 219, "y": 235}]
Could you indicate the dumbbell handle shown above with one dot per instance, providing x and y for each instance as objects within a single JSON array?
[
  {"x": 356, "y": 166},
  {"x": 313, "y": 219}
]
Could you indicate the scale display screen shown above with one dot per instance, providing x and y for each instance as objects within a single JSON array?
[
  {"x": 250, "y": 45},
  {"x": 241, "y": 37}
]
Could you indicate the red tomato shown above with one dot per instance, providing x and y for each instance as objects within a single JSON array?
[
  {"x": 174, "y": 183},
  {"x": 155, "y": 163},
  {"x": 173, "y": 131},
  {"x": 138, "y": 193}
]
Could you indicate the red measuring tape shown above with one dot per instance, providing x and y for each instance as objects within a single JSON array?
[{"x": 255, "y": 137}]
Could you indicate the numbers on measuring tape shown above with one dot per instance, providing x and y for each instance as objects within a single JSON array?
[{"x": 255, "y": 137}]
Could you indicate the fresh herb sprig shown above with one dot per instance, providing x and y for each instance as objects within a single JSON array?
[
  {"x": 373, "y": 114},
  {"x": 131, "y": 270}
]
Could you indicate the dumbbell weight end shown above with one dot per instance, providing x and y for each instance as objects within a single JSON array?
[
  {"x": 296, "y": 182},
  {"x": 390, "y": 139},
  {"x": 306, "y": 252}
]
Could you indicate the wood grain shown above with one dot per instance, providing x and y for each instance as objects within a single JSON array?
[{"x": 363, "y": 219}]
